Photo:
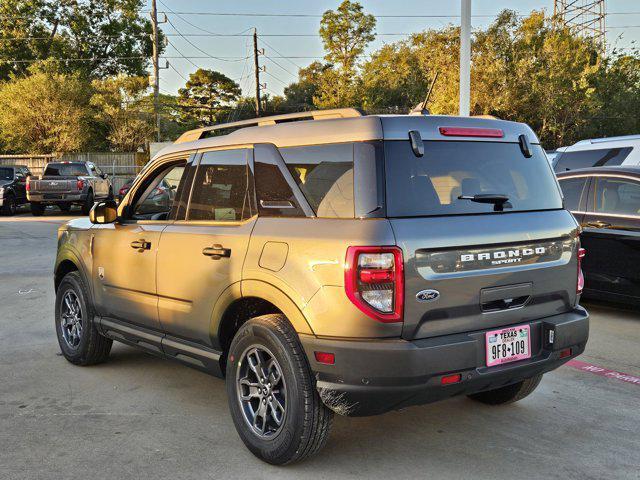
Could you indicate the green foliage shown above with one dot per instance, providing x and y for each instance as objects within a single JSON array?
[
  {"x": 207, "y": 97},
  {"x": 345, "y": 33},
  {"x": 122, "y": 106},
  {"x": 45, "y": 113},
  {"x": 111, "y": 31}
]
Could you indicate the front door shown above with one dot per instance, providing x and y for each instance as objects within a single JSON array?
[
  {"x": 202, "y": 256},
  {"x": 611, "y": 237},
  {"x": 124, "y": 265}
]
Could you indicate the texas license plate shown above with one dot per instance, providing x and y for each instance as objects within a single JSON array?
[{"x": 508, "y": 345}]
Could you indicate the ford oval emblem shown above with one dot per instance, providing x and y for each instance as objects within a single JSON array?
[{"x": 427, "y": 295}]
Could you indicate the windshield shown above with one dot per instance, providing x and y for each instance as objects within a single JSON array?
[
  {"x": 65, "y": 170},
  {"x": 434, "y": 183},
  {"x": 6, "y": 173}
]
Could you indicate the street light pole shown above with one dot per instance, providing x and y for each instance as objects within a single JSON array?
[{"x": 465, "y": 58}]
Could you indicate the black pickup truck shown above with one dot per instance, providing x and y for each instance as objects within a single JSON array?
[
  {"x": 68, "y": 183},
  {"x": 13, "y": 191}
]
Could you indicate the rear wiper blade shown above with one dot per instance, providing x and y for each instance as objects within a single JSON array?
[{"x": 498, "y": 200}]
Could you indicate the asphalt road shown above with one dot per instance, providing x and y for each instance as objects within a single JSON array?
[{"x": 142, "y": 417}]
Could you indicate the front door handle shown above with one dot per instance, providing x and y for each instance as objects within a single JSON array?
[
  {"x": 216, "y": 252},
  {"x": 598, "y": 224},
  {"x": 141, "y": 245}
]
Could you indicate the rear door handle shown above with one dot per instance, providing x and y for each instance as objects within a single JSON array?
[
  {"x": 141, "y": 245},
  {"x": 216, "y": 252},
  {"x": 598, "y": 224}
]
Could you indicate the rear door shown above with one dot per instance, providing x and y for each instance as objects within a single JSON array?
[
  {"x": 611, "y": 236},
  {"x": 201, "y": 255},
  {"x": 469, "y": 266}
]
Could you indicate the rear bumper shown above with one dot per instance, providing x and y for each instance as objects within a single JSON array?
[
  {"x": 370, "y": 377},
  {"x": 57, "y": 197}
]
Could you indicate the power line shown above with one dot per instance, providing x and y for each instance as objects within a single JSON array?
[
  {"x": 276, "y": 78},
  {"x": 91, "y": 59}
]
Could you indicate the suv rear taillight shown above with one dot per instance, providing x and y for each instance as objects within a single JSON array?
[
  {"x": 80, "y": 185},
  {"x": 581, "y": 253},
  {"x": 374, "y": 281},
  {"x": 27, "y": 185}
]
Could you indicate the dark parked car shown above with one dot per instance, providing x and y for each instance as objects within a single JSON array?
[
  {"x": 125, "y": 188},
  {"x": 606, "y": 202},
  {"x": 13, "y": 191}
]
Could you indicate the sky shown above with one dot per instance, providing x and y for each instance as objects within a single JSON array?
[{"x": 192, "y": 33}]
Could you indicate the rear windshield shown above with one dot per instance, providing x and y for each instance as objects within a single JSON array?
[
  {"x": 65, "y": 170},
  {"x": 432, "y": 184},
  {"x": 6, "y": 173}
]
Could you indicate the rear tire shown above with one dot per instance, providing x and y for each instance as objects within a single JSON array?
[
  {"x": 304, "y": 421},
  {"x": 508, "y": 394},
  {"x": 37, "y": 209},
  {"x": 9, "y": 207},
  {"x": 78, "y": 337},
  {"x": 88, "y": 203}
]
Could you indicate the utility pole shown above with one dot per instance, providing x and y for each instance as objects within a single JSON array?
[
  {"x": 156, "y": 67},
  {"x": 256, "y": 65},
  {"x": 465, "y": 58}
]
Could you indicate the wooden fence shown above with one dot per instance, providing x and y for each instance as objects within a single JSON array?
[{"x": 119, "y": 166}]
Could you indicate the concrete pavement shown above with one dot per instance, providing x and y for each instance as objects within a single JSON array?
[{"x": 141, "y": 417}]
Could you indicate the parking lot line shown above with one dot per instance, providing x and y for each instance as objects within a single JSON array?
[{"x": 604, "y": 372}]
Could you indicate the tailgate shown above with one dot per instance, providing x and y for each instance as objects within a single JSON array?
[
  {"x": 53, "y": 186},
  {"x": 474, "y": 272}
]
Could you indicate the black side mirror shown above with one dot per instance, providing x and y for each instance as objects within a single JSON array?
[
  {"x": 104, "y": 212},
  {"x": 417, "y": 145}
]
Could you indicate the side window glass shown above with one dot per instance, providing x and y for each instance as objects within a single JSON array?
[
  {"x": 156, "y": 201},
  {"x": 572, "y": 189},
  {"x": 592, "y": 158},
  {"x": 617, "y": 196},
  {"x": 220, "y": 187},
  {"x": 274, "y": 194},
  {"x": 324, "y": 173}
]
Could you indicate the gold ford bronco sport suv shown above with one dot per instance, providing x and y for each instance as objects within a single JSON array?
[{"x": 333, "y": 262}]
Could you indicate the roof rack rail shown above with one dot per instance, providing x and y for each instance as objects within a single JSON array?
[{"x": 198, "y": 133}]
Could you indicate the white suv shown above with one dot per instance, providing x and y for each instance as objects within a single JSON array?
[{"x": 599, "y": 152}]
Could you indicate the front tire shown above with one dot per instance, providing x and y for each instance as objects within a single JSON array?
[
  {"x": 78, "y": 337},
  {"x": 508, "y": 394},
  {"x": 272, "y": 396}
]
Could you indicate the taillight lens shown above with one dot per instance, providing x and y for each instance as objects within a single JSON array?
[
  {"x": 581, "y": 253},
  {"x": 80, "y": 184},
  {"x": 28, "y": 184},
  {"x": 374, "y": 281}
]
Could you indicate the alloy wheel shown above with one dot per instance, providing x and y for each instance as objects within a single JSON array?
[
  {"x": 261, "y": 391},
  {"x": 71, "y": 321}
]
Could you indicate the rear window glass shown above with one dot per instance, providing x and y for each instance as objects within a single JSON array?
[
  {"x": 572, "y": 190},
  {"x": 591, "y": 158},
  {"x": 324, "y": 174},
  {"x": 65, "y": 170},
  {"x": 6, "y": 173},
  {"x": 432, "y": 184}
]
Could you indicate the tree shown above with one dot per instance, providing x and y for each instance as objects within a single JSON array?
[
  {"x": 111, "y": 32},
  {"x": 207, "y": 97},
  {"x": 45, "y": 112},
  {"x": 300, "y": 95},
  {"x": 346, "y": 33},
  {"x": 122, "y": 106}
]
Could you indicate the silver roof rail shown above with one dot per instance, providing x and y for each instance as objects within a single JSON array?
[
  {"x": 198, "y": 133},
  {"x": 608, "y": 139}
]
